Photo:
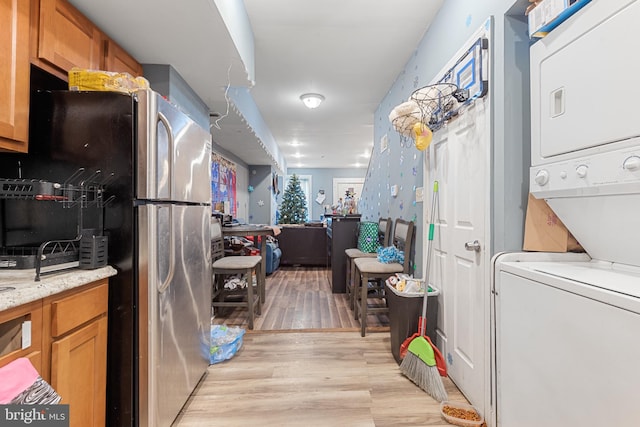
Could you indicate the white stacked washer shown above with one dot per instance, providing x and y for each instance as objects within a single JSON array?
[{"x": 567, "y": 326}]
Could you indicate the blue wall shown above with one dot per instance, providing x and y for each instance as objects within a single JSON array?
[
  {"x": 455, "y": 23},
  {"x": 322, "y": 179},
  {"x": 262, "y": 209},
  {"x": 165, "y": 80}
]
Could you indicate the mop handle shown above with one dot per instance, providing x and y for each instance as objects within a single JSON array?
[{"x": 423, "y": 319}]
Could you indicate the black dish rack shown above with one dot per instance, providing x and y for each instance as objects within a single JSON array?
[
  {"x": 25, "y": 257},
  {"x": 88, "y": 250}
]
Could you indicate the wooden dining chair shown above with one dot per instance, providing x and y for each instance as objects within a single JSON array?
[
  {"x": 384, "y": 237},
  {"x": 371, "y": 270},
  {"x": 225, "y": 266}
]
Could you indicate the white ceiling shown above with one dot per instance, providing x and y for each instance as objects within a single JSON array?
[{"x": 350, "y": 51}]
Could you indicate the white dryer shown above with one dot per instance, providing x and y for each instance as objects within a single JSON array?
[{"x": 585, "y": 127}]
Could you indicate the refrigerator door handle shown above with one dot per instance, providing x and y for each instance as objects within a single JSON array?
[
  {"x": 171, "y": 144},
  {"x": 164, "y": 284}
]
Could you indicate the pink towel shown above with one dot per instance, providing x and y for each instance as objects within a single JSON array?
[{"x": 15, "y": 378}]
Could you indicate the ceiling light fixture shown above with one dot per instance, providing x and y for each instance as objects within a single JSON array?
[{"x": 312, "y": 100}]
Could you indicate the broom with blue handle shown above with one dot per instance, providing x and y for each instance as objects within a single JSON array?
[{"x": 419, "y": 363}]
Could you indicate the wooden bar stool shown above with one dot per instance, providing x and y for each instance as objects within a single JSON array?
[
  {"x": 384, "y": 237},
  {"x": 244, "y": 266},
  {"x": 367, "y": 269}
]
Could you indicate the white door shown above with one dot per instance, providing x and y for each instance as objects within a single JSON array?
[
  {"x": 341, "y": 185},
  {"x": 458, "y": 158}
]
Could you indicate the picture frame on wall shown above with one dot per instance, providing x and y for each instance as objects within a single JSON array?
[{"x": 223, "y": 184}]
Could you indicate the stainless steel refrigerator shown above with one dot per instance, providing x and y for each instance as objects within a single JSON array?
[{"x": 156, "y": 166}]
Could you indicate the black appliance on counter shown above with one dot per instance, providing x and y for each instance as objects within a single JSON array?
[
  {"x": 225, "y": 219},
  {"x": 71, "y": 243}
]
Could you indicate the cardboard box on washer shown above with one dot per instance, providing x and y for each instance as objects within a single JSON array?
[{"x": 544, "y": 232}]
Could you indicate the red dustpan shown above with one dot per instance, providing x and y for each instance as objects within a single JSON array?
[
  {"x": 422, "y": 321},
  {"x": 440, "y": 362}
]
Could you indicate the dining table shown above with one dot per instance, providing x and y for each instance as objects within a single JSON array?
[{"x": 259, "y": 233}]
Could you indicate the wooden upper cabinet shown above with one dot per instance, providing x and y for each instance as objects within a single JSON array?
[
  {"x": 117, "y": 59},
  {"x": 66, "y": 38},
  {"x": 14, "y": 75}
]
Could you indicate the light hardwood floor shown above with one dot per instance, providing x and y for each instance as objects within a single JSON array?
[
  {"x": 305, "y": 364},
  {"x": 300, "y": 298},
  {"x": 311, "y": 379}
]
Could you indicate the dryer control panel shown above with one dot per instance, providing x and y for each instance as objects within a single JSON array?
[{"x": 607, "y": 173}]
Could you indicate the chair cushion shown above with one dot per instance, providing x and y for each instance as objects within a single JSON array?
[
  {"x": 357, "y": 253},
  {"x": 238, "y": 262},
  {"x": 372, "y": 265}
]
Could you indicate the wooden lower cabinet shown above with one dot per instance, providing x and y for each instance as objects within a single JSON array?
[
  {"x": 68, "y": 347},
  {"x": 78, "y": 373},
  {"x": 75, "y": 335}
]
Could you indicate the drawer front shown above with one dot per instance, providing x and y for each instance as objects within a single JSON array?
[{"x": 70, "y": 312}]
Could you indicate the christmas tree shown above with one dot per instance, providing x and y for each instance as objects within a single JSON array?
[{"x": 294, "y": 203}]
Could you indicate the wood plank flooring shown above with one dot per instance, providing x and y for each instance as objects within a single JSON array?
[
  {"x": 311, "y": 379},
  {"x": 300, "y": 298},
  {"x": 305, "y": 364}
]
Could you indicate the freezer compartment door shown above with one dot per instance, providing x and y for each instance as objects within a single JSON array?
[
  {"x": 174, "y": 153},
  {"x": 175, "y": 286}
]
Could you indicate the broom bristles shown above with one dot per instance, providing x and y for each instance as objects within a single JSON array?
[{"x": 424, "y": 376}]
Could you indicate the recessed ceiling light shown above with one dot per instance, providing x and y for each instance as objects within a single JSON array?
[
  {"x": 297, "y": 155},
  {"x": 312, "y": 100}
]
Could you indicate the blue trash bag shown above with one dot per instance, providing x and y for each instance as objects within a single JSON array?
[{"x": 225, "y": 342}]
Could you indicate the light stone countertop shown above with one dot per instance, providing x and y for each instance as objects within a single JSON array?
[{"x": 27, "y": 289}]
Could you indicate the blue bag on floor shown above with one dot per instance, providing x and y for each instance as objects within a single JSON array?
[{"x": 225, "y": 342}]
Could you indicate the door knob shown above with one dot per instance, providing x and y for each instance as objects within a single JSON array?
[{"x": 472, "y": 246}]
